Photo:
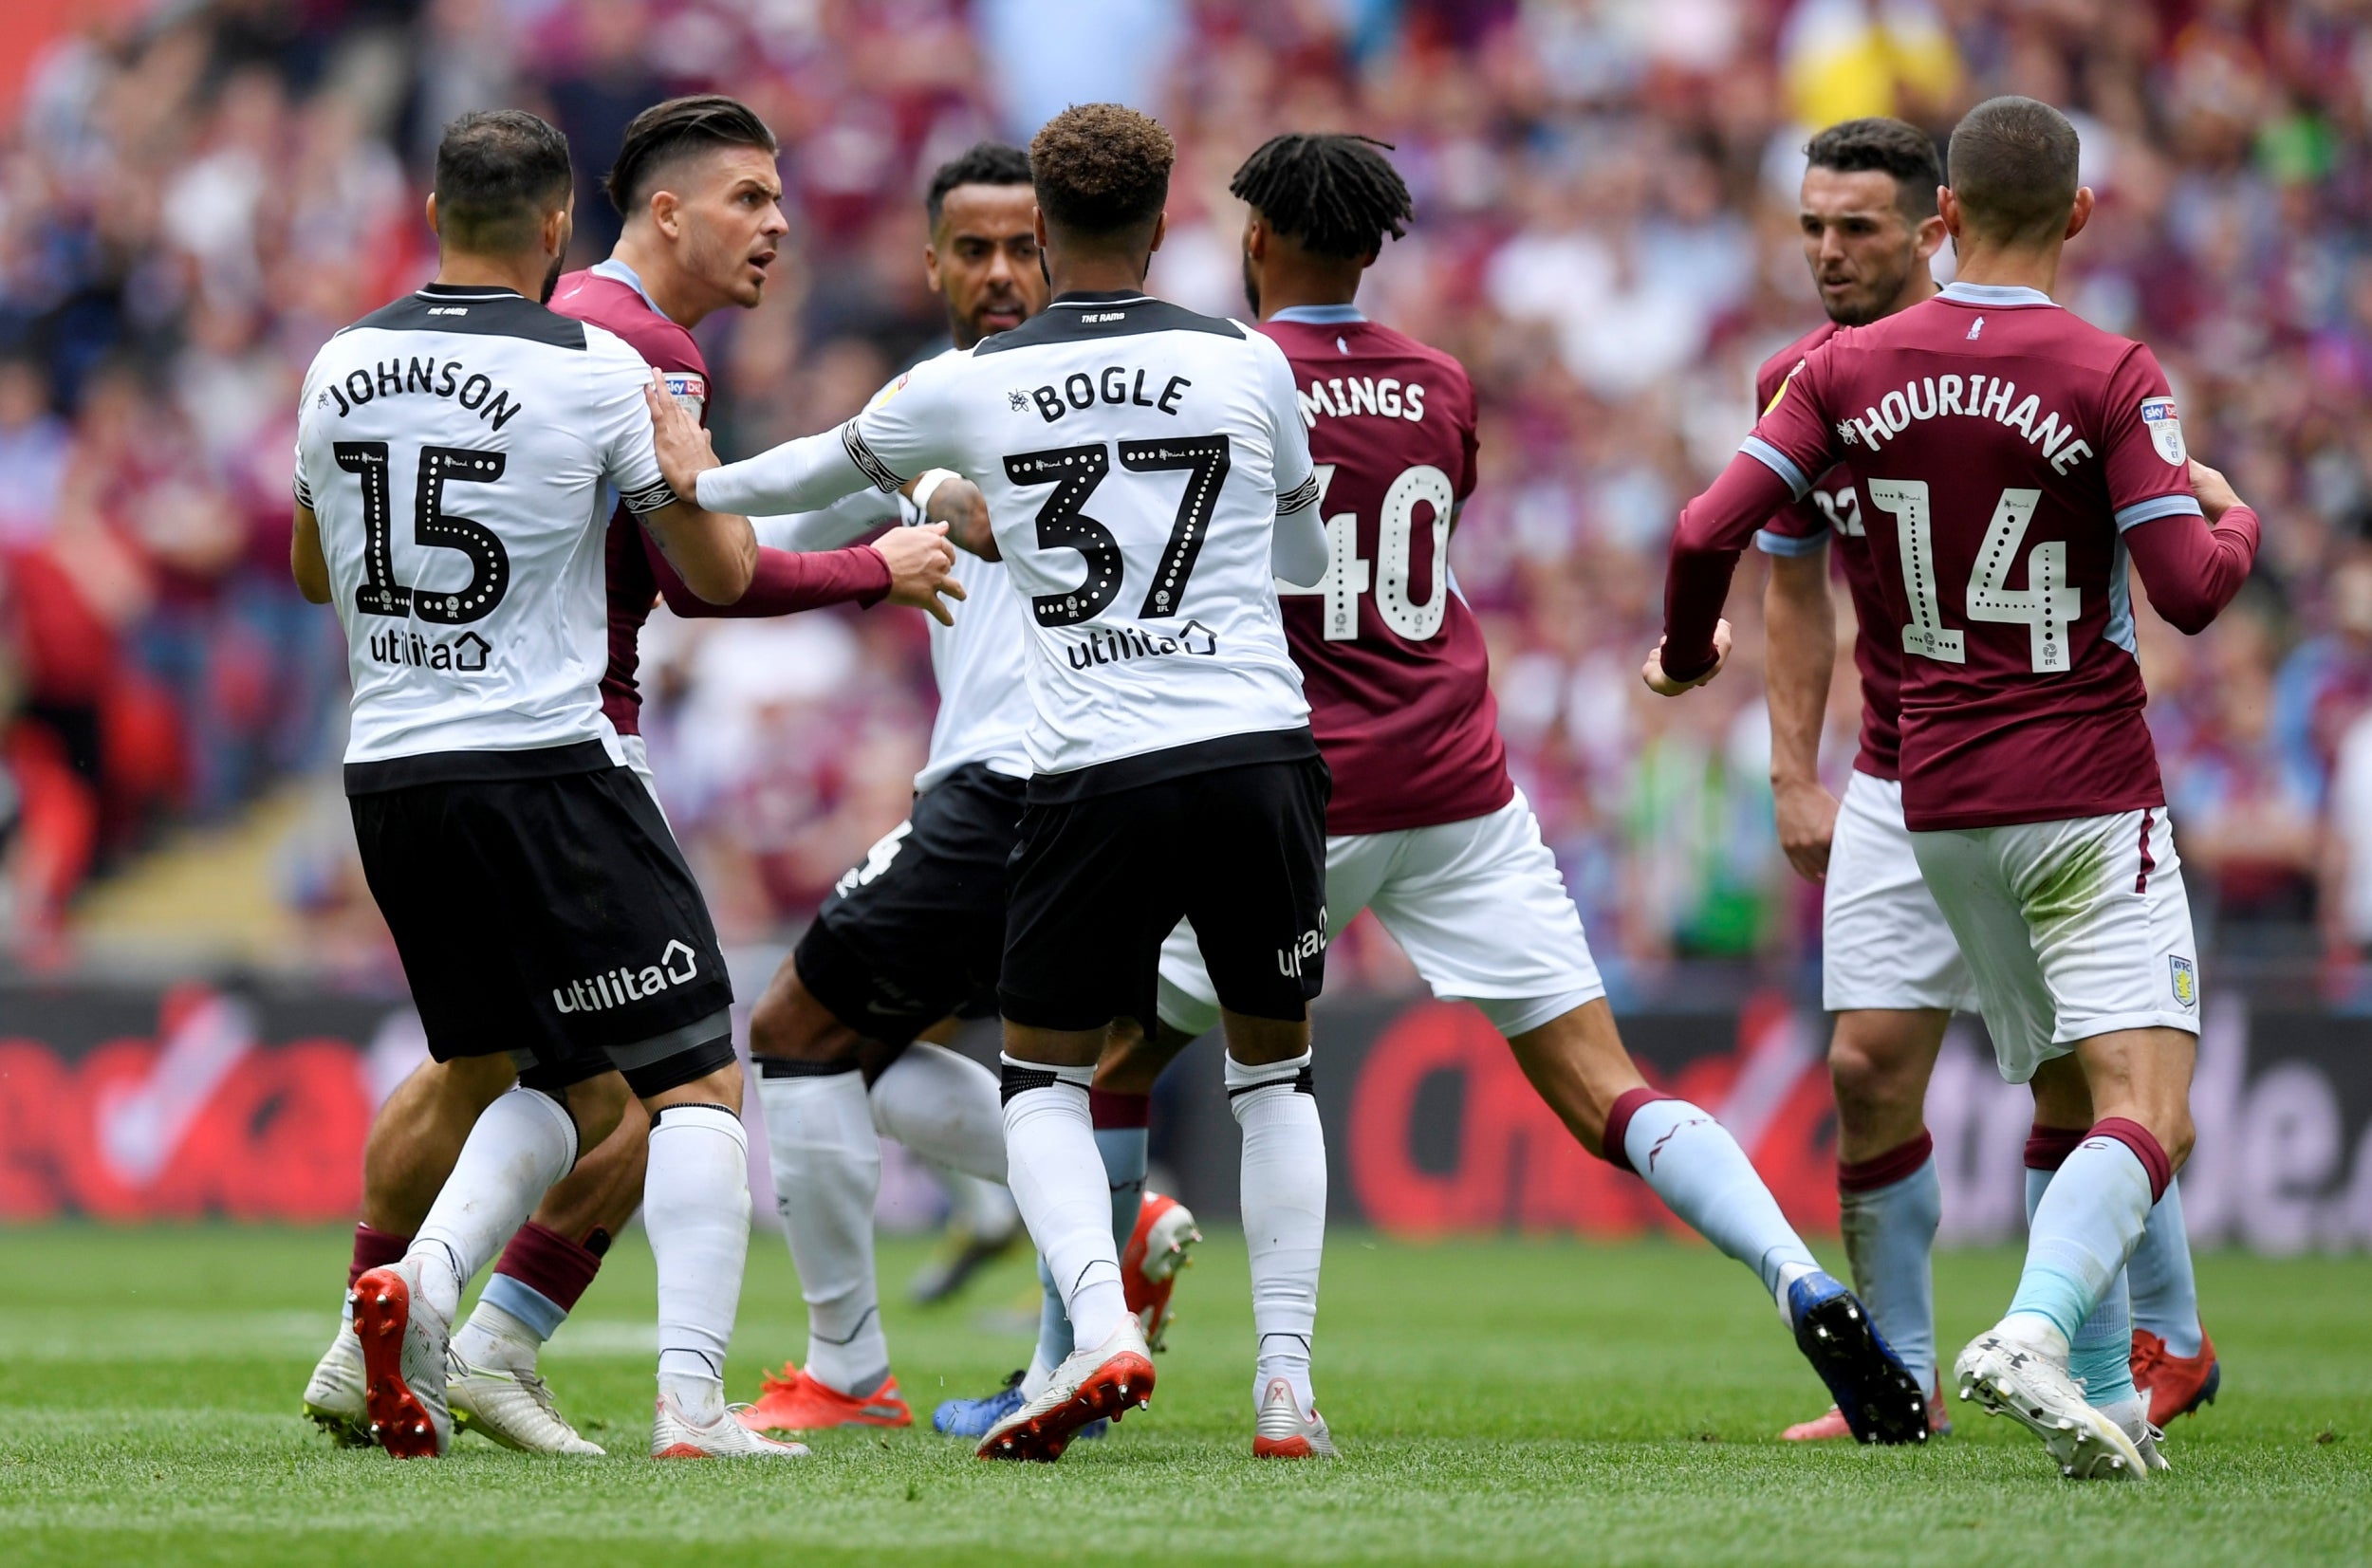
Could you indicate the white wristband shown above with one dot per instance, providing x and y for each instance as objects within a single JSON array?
[{"x": 926, "y": 487}]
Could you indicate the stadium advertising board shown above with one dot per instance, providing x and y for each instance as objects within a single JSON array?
[{"x": 128, "y": 1105}]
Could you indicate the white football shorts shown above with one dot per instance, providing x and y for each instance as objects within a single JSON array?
[
  {"x": 1883, "y": 941},
  {"x": 2072, "y": 929},
  {"x": 1477, "y": 905}
]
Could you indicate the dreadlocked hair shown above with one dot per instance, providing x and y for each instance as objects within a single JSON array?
[{"x": 1336, "y": 195}]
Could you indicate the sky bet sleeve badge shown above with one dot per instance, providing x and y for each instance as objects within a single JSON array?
[
  {"x": 2165, "y": 429},
  {"x": 689, "y": 388}
]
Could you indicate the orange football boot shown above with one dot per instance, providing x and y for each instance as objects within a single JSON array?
[
  {"x": 2176, "y": 1385},
  {"x": 1821, "y": 1428},
  {"x": 791, "y": 1401},
  {"x": 1149, "y": 1265}
]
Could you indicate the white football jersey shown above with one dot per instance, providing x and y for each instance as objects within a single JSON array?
[
  {"x": 459, "y": 449},
  {"x": 1135, "y": 458},
  {"x": 981, "y": 663}
]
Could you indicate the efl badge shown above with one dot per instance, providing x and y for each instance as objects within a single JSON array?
[
  {"x": 689, "y": 388},
  {"x": 2186, "y": 976},
  {"x": 2165, "y": 429}
]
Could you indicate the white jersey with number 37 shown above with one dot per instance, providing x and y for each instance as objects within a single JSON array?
[
  {"x": 459, "y": 449},
  {"x": 1135, "y": 458}
]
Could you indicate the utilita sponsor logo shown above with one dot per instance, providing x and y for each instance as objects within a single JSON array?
[
  {"x": 1312, "y": 943},
  {"x": 1127, "y": 642},
  {"x": 616, "y": 987}
]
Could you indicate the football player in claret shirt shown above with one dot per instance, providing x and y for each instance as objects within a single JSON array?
[
  {"x": 2013, "y": 459},
  {"x": 695, "y": 180},
  {"x": 1891, "y": 971},
  {"x": 1425, "y": 827}
]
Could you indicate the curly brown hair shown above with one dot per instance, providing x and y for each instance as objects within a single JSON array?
[{"x": 1101, "y": 168}]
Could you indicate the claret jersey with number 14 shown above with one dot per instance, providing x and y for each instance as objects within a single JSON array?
[
  {"x": 1138, "y": 460},
  {"x": 459, "y": 449},
  {"x": 2004, "y": 448}
]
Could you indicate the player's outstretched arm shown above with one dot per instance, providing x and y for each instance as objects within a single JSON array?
[
  {"x": 305, "y": 561},
  {"x": 2192, "y": 565},
  {"x": 1714, "y": 529},
  {"x": 1800, "y": 625}
]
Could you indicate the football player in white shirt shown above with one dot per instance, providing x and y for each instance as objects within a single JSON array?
[
  {"x": 1148, "y": 477},
  {"x": 538, "y": 903}
]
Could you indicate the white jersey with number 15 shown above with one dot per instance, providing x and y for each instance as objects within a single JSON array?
[{"x": 459, "y": 448}]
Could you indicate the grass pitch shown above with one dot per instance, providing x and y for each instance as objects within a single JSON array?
[{"x": 1496, "y": 1402}]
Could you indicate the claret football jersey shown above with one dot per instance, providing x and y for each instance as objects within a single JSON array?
[
  {"x": 1137, "y": 458},
  {"x": 1832, "y": 509},
  {"x": 2002, "y": 448},
  {"x": 459, "y": 448},
  {"x": 1392, "y": 657}
]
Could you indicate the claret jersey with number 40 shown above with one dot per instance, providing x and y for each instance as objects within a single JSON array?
[
  {"x": 1137, "y": 459},
  {"x": 459, "y": 448}
]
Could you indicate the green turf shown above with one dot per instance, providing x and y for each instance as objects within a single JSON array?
[{"x": 1495, "y": 1402}]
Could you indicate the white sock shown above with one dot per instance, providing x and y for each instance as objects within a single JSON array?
[
  {"x": 493, "y": 1338},
  {"x": 695, "y": 1206},
  {"x": 1699, "y": 1171},
  {"x": 1285, "y": 1215},
  {"x": 521, "y": 1144},
  {"x": 827, "y": 1171},
  {"x": 943, "y": 1107},
  {"x": 1057, "y": 1177}
]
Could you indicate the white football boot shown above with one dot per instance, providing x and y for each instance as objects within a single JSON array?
[
  {"x": 2027, "y": 1380},
  {"x": 405, "y": 1344},
  {"x": 673, "y": 1436},
  {"x": 1090, "y": 1385},
  {"x": 513, "y": 1406},
  {"x": 2133, "y": 1418},
  {"x": 333, "y": 1395},
  {"x": 1284, "y": 1432}
]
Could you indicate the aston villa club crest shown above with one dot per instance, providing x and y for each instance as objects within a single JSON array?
[{"x": 2186, "y": 979}]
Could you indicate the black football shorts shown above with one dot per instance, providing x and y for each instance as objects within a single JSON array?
[
  {"x": 917, "y": 932},
  {"x": 1100, "y": 881},
  {"x": 553, "y": 918}
]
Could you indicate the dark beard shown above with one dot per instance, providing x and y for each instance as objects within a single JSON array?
[
  {"x": 1252, "y": 288},
  {"x": 551, "y": 279}
]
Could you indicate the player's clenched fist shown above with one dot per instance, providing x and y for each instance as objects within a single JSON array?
[
  {"x": 685, "y": 451},
  {"x": 2215, "y": 491},
  {"x": 1664, "y": 686},
  {"x": 920, "y": 559}
]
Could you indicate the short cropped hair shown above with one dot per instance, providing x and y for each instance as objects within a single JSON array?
[
  {"x": 982, "y": 163},
  {"x": 499, "y": 171},
  {"x": 1101, "y": 169},
  {"x": 665, "y": 132},
  {"x": 1887, "y": 146},
  {"x": 1334, "y": 196},
  {"x": 2013, "y": 169}
]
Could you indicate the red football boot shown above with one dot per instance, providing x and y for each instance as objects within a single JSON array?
[
  {"x": 791, "y": 1401},
  {"x": 2176, "y": 1385},
  {"x": 1149, "y": 1265}
]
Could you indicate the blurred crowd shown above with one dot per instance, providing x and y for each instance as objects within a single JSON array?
[{"x": 195, "y": 194}]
